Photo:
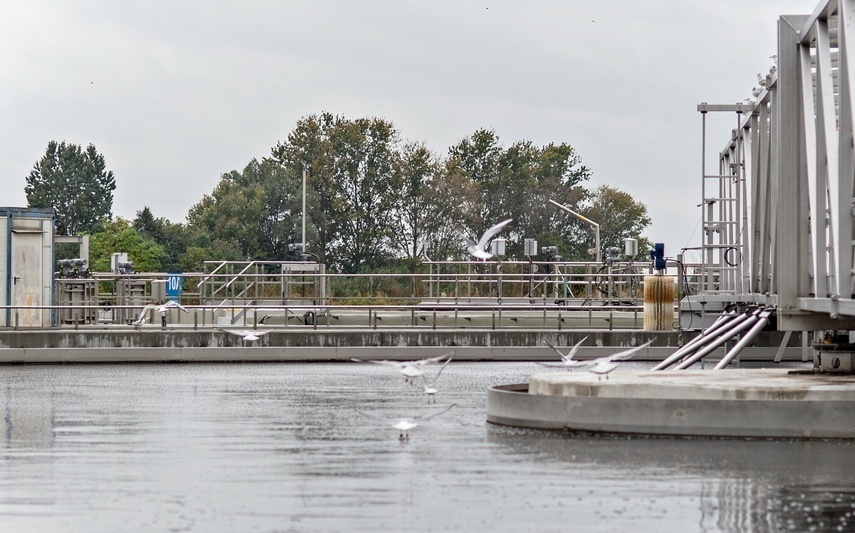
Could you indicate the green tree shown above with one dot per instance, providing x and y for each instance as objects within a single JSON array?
[
  {"x": 477, "y": 159},
  {"x": 426, "y": 217},
  {"x": 75, "y": 183},
  {"x": 517, "y": 183},
  {"x": 309, "y": 148},
  {"x": 257, "y": 209},
  {"x": 174, "y": 238},
  {"x": 351, "y": 167},
  {"x": 619, "y": 215},
  {"x": 365, "y": 150},
  {"x": 120, "y": 236}
]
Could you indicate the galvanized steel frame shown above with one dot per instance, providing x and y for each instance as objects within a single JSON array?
[{"x": 792, "y": 159}]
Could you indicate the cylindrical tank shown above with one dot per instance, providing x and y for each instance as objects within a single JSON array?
[{"x": 658, "y": 303}]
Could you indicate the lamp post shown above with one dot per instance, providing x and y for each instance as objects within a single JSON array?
[
  {"x": 304, "y": 209},
  {"x": 587, "y": 221}
]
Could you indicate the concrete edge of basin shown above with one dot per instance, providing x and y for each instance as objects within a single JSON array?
[{"x": 512, "y": 405}]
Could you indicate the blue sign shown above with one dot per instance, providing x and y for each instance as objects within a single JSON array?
[{"x": 174, "y": 286}]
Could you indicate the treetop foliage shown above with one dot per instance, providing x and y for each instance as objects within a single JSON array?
[
  {"x": 73, "y": 181},
  {"x": 373, "y": 200}
]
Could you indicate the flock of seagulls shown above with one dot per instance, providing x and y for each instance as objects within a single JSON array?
[
  {"x": 763, "y": 80},
  {"x": 411, "y": 370}
]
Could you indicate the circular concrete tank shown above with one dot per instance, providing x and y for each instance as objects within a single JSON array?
[{"x": 766, "y": 403}]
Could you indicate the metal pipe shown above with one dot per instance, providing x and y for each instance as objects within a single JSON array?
[
  {"x": 738, "y": 326},
  {"x": 762, "y": 321},
  {"x": 693, "y": 344}
]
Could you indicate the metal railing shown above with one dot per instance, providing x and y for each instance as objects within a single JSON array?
[
  {"x": 283, "y": 317},
  {"x": 445, "y": 294}
]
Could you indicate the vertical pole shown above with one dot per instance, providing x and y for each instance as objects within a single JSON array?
[{"x": 303, "y": 241}]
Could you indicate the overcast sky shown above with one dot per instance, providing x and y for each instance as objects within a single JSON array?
[{"x": 176, "y": 93}]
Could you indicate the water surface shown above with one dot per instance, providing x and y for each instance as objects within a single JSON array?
[{"x": 307, "y": 447}]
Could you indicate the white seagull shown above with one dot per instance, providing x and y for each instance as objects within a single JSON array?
[
  {"x": 409, "y": 369},
  {"x": 430, "y": 385},
  {"x": 404, "y": 425},
  {"x": 162, "y": 309},
  {"x": 248, "y": 335},
  {"x": 603, "y": 365},
  {"x": 567, "y": 360},
  {"x": 479, "y": 249}
]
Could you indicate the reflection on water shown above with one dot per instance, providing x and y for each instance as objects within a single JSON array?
[{"x": 283, "y": 447}]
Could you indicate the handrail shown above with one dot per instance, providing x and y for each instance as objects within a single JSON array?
[
  {"x": 208, "y": 276},
  {"x": 492, "y": 315}
]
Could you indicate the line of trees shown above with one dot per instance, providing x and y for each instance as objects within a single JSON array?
[{"x": 374, "y": 200}]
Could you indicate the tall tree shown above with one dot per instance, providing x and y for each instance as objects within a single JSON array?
[
  {"x": 365, "y": 150},
  {"x": 426, "y": 217},
  {"x": 174, "y": 238},
  {"x": 351, "y": 167},
  {"x": 477, "y": 158},
  {"x": 308, "y": 148},
  {"x": 517, "y": 183},
  {"x": 257, "y": 209},
  {"x": 619, "y": 215},
  {"x": 75, "y": 183}
]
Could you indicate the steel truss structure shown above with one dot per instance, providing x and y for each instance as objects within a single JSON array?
[{"x": 778, "y": 218}]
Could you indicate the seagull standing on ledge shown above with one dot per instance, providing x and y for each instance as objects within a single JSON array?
[{"x": 478, "y": 249}]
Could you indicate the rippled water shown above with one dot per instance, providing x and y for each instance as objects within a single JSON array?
[{"x": 305, "y": 447}]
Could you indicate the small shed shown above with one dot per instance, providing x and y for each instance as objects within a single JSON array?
[{"x": 26, "y": 252}]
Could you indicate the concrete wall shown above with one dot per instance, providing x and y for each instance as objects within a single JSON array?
[{"x": 114, "y": 344}]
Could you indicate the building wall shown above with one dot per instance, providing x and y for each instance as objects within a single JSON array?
[{"x": 26, "y": 251}]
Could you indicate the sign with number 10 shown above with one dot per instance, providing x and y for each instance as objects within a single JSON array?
[{"x": 173, "y": 286}]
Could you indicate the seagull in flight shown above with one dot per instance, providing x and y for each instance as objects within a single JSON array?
[
  {"x": 404, "y": 425},
  {"x": 567, "y": 360},
  {"x": 409, "y": 369},
  {"x": 162, "y": 309},
  {"x": 248, "y": 335},
  {"x": 603, "y": 365},
  {"x": 478, "y": 249},
  {"x": 430, "y": 385}
]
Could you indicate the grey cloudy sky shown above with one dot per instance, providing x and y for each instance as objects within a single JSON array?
[{"x": 175, "y": 93}]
